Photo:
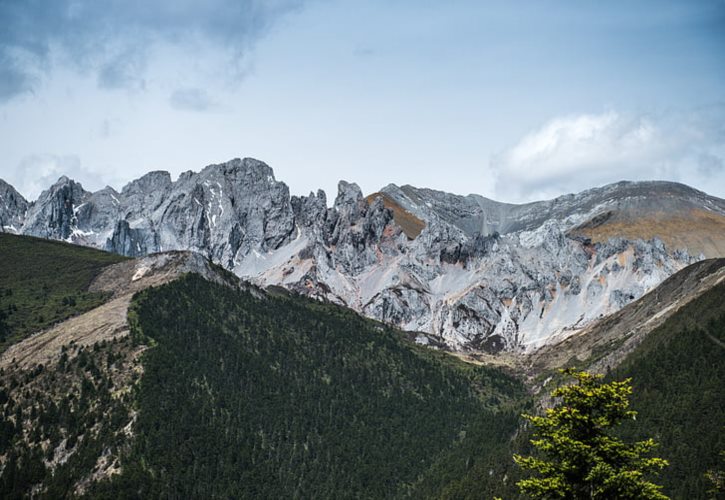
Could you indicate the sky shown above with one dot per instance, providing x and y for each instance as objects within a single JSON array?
[{"x": 516, "y": 101}]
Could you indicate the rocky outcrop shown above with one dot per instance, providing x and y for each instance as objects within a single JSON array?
[
  {"x": 12, "y": 208},
  {"x": 224, "y": 212},
  {"x": 466, "y": 271},
  {"x": 55, "y": 214},
  {"x": 604, "y": 344}
]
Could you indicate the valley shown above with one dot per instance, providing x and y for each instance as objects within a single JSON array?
[
  {"x": 293, "y": 249},
  {"x": 184, "y": 371}
]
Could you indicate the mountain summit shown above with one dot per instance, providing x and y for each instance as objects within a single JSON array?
[{"x": 465, "y": 271}]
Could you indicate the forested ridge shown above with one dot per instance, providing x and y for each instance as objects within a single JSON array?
[
  {"x": 289, "y": 398},
  {"x": 678, "y": 378},
  {"x": 226, "y": 393}
]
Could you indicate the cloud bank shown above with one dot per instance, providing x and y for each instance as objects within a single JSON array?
[
  {"x": 37, "y": 173},
  {"x": 112, "y": 39},
  {"x": 575, "y": 152}
]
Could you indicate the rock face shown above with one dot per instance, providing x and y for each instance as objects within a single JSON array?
[
  {"x": 56, "y": 213},
  {"x": 614, "y": 338},
  {"x": 12, "y": 208},
  {"x": 469, "y": 272}
]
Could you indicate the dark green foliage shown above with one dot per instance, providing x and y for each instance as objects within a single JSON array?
[
  {"x": 678, "y": 377},
  {"x": 43, "y": 282},
  {"x": 578, "y": 453},
  {"x": 478, "y": 466},
  {"x": 678, "y": 384},
  {"x": 285, "y": 397},
  {"x": 66, "y": 412}
]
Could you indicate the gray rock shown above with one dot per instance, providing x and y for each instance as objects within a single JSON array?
[
  {"x": 481, "y": 275},
  {"x": 54, "y": 215},
  {"x": 12, "y": 208}
]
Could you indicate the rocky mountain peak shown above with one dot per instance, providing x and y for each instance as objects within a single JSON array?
[
  {"x": 348, "y": 194},
  {"x": 311, "y": 211},
  {"x": 12, "y": 208},
  {"x": 467, "y": 271},
  {"x": 246, "y": 172},
  {"x": 153, "y": 181},
  {"x": 64, "y": 187},
  {"x": 250, "y": 166},
  {"x": 54, "y": 214}
]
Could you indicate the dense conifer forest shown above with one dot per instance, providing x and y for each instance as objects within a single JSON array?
[
  {"x": 288, "y": 398},
  {"x": 678, "y": 377},
  {"x": 220, "y": 392}
]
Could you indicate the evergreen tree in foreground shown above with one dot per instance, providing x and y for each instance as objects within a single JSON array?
[{"x": 581, "y": 458}]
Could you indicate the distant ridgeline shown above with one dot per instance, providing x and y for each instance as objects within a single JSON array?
[
  {"x": 228, "y": 392},
  {"x": 466, "y": 272}
]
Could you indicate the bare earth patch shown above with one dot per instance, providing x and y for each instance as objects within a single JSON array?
[{"x": 107, "y": 321}]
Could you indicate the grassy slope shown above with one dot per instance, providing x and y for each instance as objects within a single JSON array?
[
  {"x": 43, "y": 282},
  {"x": 284, "y": 398},
  {"x": 697, "y": 230},
  {"x": 409, "y": 223}
]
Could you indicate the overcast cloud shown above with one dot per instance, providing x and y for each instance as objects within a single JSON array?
[
  {"x": 514, "y": 101},
  {"x": 576, "y": 152},
  {"x": 112, "y": 38},
  {"x": 37, "y": 173},
  {"x": 191, "y": 99}
]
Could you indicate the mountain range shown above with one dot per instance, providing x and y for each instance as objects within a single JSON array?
[
  {"x": 168, "y": 376},
  {"x": 464, "y": 272}
]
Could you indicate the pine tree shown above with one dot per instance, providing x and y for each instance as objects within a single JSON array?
[{"x": 581, "y": 457}]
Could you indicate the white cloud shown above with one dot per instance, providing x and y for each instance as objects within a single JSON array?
[
  {"x": 576, "y": 152},
  {"x": 37, "y": 173}
]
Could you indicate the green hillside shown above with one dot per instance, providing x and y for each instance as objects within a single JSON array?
[
  {"x": 43, "y": 282},
  {"x": 241, "y": 396},
  {"x": 678, "y": 377},
  {"x": 288, "y": 398}
]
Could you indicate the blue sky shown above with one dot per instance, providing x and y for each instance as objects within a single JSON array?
[{"x": 512, "y": 100}]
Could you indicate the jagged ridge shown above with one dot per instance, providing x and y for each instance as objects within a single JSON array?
[{"x": 470, "y": 272}]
